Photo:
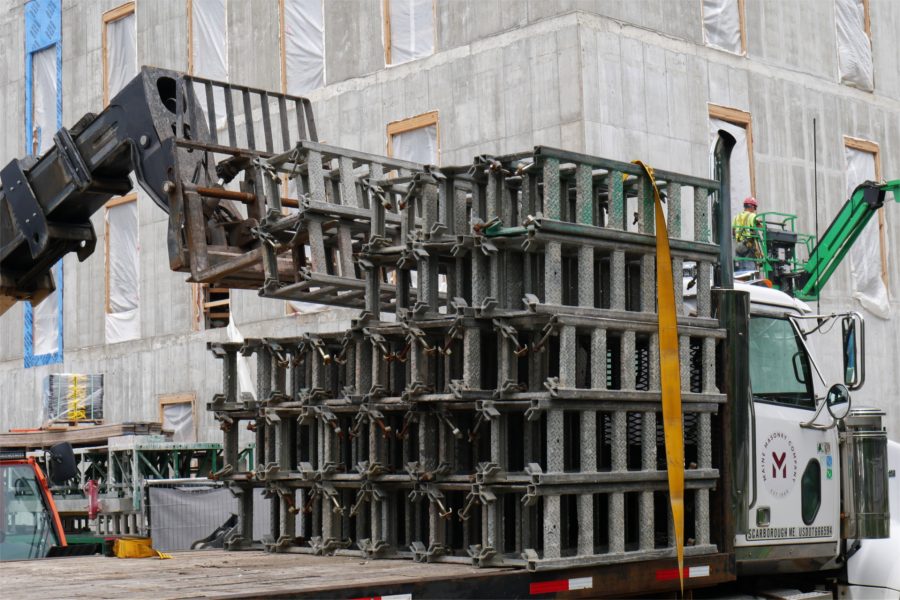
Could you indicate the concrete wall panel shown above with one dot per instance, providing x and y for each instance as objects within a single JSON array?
[
  {"x": 254, "y": 55},
  {"x": 163, "y": 33},
  {"x": 353, "y": 40},
  {"x": 884, "y": 16}
]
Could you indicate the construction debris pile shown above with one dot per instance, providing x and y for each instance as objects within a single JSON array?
[{"x": 497, "y": 399}]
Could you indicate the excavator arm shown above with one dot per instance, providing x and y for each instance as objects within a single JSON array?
[{"x": 840, "y": 236}]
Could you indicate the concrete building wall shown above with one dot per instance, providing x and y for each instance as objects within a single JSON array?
[{"x": 621, "y": 80}]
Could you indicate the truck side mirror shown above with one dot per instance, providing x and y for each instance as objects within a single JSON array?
[
  {"x": 838, "y": 401},
  {"x": 852, "y": 350},
  {"x": 61, "y": 463}
]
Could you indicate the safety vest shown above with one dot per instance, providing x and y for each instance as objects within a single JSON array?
[{"x": 740, "y": 224}]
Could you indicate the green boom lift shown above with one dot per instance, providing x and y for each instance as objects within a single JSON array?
[{"x": 777, "y": 259}]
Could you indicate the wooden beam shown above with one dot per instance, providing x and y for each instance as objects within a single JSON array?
[
  {"x": 83, "y": 435},
  {"x": 215, "y": 303},
  {"x": 732, "y": 115},
  {"x": 864, "y": 146},
  {"x": 742, "y": 17},
  {"x": 386, "y": 13},
  {"x": 867, "y": 21}
]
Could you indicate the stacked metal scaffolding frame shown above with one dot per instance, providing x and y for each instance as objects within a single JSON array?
[{"x": 497, "y": 399}]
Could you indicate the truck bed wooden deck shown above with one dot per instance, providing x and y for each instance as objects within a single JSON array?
[
  {"x": 218, "y": 574},
  {"x": 257, "y": 574}
]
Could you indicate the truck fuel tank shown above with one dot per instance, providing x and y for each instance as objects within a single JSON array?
[{"x": 864, "y": 488}]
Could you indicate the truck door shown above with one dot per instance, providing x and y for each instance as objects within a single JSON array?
[{"x": 794, "y": 489}]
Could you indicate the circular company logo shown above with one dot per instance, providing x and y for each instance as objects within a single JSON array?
[{"x": 778, "y": 464}]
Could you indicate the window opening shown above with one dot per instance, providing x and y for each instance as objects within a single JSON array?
[
  {"x": 416, "y": 139},
  {"x": 743, "y": 173},
  {"x": 408, "y": 30},
  {"x": 854, "y": 44},
  {"x": 177, "y": 414},
  {"x": 724, "y": 25},
  {"x": 868, "y": 255}
]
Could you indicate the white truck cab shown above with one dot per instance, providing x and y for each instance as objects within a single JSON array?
[{"x": 814, "y": 496}]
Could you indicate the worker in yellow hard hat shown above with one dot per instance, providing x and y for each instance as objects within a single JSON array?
[{"x": 745, "y": 236}]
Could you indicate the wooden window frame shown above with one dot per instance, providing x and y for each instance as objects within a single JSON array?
[
  {"x": 202, "y": 306},
  {"x": 744, "y": 119},
  {"x": 742, "y": 18},
  {"x": 120, "y": 12},
  {"x": 190, "y": 36},
  {"x": 182, "y": 398},
  {"x": 386, "y": 25},
  {"x": 863, "y": 145},
  {"x": 867, "y": 22},
  {"x": 742, "y": 23},
  {"x": 417, "y": 122}
]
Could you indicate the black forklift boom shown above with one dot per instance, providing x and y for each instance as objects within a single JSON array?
[{"x": 46, "y": 203}]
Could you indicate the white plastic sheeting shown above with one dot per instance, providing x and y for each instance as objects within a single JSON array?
[
  {"x": 722, "y": 25},
  {"x": 45, "y": 316},
  {"x": 179, "y": 419},
  {"x": 209, "y": 51},
  {"x": 209, "y": 38},
  {"x": 416, "y": 145},
  {"x": 245, "y": 381},
  {"x": 854, "y": 46},
  {"x": 740, "y": 163},
  {"x": 123, "y": 320},
  {"x": 121, "y": 57},
  {"x": 43, "y": 66},
  {"x": 72, "y": 397},
  {"x": 412, "y": 29},
  {"x": 295, "y": 307},
  {"x": 46, "y": 323},
  {"x": 865, "y": 255},
  {"x": 304, "y": 45}
]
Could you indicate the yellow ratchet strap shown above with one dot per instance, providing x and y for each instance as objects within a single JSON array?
[
  {"x": 669, "y": 374},
  {"x": 137, "y": 547}
]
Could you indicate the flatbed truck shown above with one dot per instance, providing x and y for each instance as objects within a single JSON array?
[{"x": 804, "y": 478}]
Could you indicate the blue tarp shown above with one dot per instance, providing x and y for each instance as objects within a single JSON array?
[{"x": 43, "y": 30}]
